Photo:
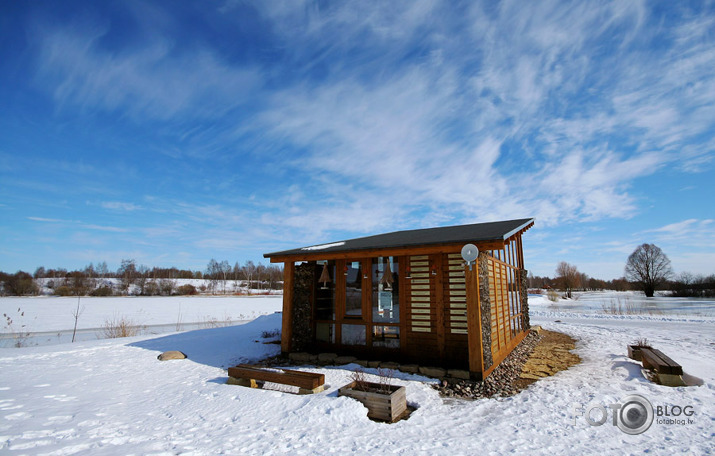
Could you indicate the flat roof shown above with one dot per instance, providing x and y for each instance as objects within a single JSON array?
[{"x": 476, "y": 232}]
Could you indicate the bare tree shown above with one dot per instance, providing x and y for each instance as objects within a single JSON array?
[
  {"x": 40, "y": 272},
  {"x": 583, "y": 280},
  {"x": 76, "y": 314},
  {"x": 236, "y": 277},
  {"x": 127, "y": 272},
  {"x": 225, "y": 269},
  {"x": 568, "y": 276},
  {"x": 249, "y": 271},
  {"x": 142, "y": 277},
  {"x": 102, "y": 270},
  {"x": 649, "y": 267},
  {"x": 213, "y": 273}
]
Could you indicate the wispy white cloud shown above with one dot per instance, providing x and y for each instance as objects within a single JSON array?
[
  {"x": 119, "y": 205},
  {"x": 113, "y": 229},
  {"x": 156, "y": 80},
  {"x": 372, "y": 116},
  {"x": 691, "y": 232},
  {"x": 45, "y": 220},
  {"x": 434, "y": 135}
]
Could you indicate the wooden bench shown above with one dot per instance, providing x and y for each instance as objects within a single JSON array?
[
  {"x": 254, "y": 376},
  {"x": 668, "y": 371}
]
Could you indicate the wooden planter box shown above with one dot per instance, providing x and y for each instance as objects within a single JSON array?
[
  {"x": 634, "y": 352},
  {"x": 380, "y": 406}
]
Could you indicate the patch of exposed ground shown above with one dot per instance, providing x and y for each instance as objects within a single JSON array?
[
  {"x": 541, "y": 354},
  {"x": 551, "y": 355}
]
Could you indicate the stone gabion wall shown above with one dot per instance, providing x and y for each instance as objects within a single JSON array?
[
  {"x": 486, "y": 308},
  {"x": 302, "y": 308},
  {"x": 524, "y": 293}
]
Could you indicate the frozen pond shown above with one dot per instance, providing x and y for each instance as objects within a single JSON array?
[
  {"x": 50, "y": 320},
  {"x": 629, "y": 303},
  {"x": 33, "y": 339}
]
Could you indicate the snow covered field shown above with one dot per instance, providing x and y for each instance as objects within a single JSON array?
[
  {"x": 112, "y": 397},
  {"x": 634, "y": 303},
  {"x": 50, "y": 320}
]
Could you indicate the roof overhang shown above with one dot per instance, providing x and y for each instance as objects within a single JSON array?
[{"x": 491, "y": 235}]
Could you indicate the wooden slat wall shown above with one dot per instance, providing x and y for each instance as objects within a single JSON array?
[
  {"x": 455, "y": 292},
  {"x": 421, "y": 312},
  {"x": 496, "y": 298},
  {"x": 422, "y": 333},
  {"x": 505, "y": 298}
]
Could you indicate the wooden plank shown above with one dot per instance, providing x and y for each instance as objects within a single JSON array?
[
  {"x": 415, "y": 281},
  {"x": 287, "y": 317},
  {"x": 420, "y": 329},
  {"x": 439, "y": 300},
  {"x": 307, "y": 380},
  {"x": 474, "y": 323},
  {"x": 503, "y": 307},
  {"x": 495, "y": 285},
  {"x": 340, "y": 299},
  {"x": 500, "y": 355},
  {"x": 404, "y": 309},
  {"x": 659, "y": 361}
]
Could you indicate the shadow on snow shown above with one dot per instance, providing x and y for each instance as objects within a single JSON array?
[{"x": 220, "y": 347}]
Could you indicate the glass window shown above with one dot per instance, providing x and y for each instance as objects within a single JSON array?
[
  {"x": 325, "y": 290},
  {"x": 353, "y": 289},
  {"x": 385, "y": 290},
  {"x": 386, "y": 336},
  {"x": 353, "y": 335},
  {"x": 325, "y": 332}
]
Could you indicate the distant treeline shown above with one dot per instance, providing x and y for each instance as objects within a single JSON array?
[
  {"x": 579, "y": 281},
  {"x": 688, "y": 285},
  {"x": 222, "y": 278},
  {"x": 684, "y": 285},
  {"x": 130, "y": 278}
]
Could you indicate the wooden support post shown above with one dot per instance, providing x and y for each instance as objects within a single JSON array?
[
  {"x": 438, "y": 303},
  {"x": 287, "y": 326},
  {"x": 474, "y": 320}
]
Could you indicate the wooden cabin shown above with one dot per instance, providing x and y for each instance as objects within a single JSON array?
[{"x": 409, "y": 296}]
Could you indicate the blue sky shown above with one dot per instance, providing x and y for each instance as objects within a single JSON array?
[{"x": 173, "y": 132}]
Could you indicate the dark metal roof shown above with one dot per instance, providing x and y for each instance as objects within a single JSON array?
[{"x": 477, "y": 232}]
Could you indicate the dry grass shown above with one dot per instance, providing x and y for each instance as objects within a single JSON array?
[
  {"x": 383, "y": 384},
  {"x": 120, "y": 327},
  {"x": 361, "y": 384},
  {"x": 641, "y": 343},
  {"x": 619, "y": 306},
  {"x": 271, "y": 334},
  {"x": 19, "y": 334}
]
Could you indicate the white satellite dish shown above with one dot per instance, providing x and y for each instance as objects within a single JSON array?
[{"x": 470, "y": 252}]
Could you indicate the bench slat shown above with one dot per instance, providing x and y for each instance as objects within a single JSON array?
[
  {"x": 307, "y": 380},
  {"x": 656, "y": 359}
]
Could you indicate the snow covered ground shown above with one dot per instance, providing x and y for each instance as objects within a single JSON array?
[{"x": 113, "y": 397}]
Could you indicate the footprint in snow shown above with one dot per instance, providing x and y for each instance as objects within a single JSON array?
[
  {"x": 61, "y": 398},
  {"x": 18, "y": 416},
  {"x": 60, "y": 419}
]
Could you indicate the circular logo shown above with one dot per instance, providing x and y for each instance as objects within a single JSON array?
[{"x": 635, "y": 415}]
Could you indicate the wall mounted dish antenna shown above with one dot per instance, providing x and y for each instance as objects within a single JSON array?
[{"x": 470, "y": 252}]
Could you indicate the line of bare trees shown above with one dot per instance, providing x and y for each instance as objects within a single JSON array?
[
  {"x": 647, "y": 269},
  {"x": 130, "y": 278},
  {"x": 577, "y": 281}
]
